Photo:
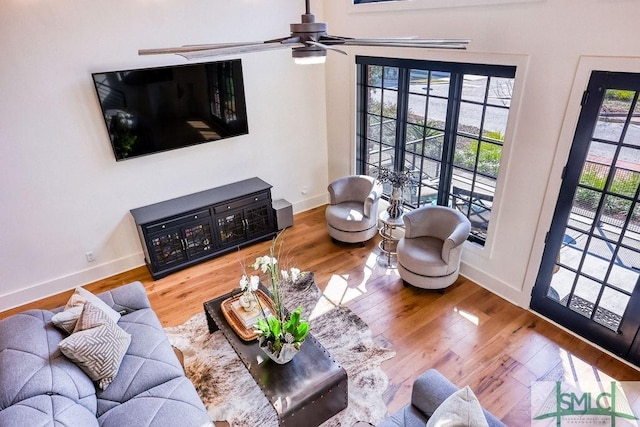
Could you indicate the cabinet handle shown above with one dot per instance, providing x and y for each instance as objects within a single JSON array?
[
  {"x": 184, "y": 245},
  {"x": 256, "y": 199},
  {"x": 195, "y": 217}
]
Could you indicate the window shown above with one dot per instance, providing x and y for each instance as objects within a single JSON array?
[{"x": 444, "y": 121}]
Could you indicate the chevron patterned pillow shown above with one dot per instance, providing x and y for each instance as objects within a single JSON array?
[{"x": 97, "y": 345}]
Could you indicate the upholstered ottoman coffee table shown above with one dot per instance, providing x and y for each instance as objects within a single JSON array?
[{"x": 307, "y": 391}]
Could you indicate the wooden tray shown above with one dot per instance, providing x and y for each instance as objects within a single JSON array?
[{"x": 246, "y": 334}]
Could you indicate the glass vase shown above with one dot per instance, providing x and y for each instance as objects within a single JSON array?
[{"x": 287, "y": 352}]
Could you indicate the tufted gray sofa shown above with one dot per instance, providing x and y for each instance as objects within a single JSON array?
[{"x": 39, "y": 386}]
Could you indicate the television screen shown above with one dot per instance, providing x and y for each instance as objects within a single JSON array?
[{"x": 158, "y": 109}]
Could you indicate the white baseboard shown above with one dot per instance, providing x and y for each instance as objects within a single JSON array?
[
  {"x": 492, "y": 284},
  {"x": 102, "y": 271},
  {"x": 61, "y": 284},
  {"x": 310, "y": 203}
]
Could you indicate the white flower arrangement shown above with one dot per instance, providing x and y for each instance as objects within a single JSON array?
[
  {"x": 279, "y": 328},
  {"x": 249, "y": 284}
]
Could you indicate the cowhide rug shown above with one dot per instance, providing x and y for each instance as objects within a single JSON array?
[{"x": 230, "y": 393}]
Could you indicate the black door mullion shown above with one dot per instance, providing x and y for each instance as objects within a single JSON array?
[
  {"x": 362, "y": 121},
  {"x": 450, "y": 135},
  {"x": 401, "y": 117}
]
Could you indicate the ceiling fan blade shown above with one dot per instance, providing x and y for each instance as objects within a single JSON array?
[
  {"x": 396, "y": 42},
  {"x": 326, "y": 47},
  {"x": 193, "y": 48},
  {"x": 285, "y": 40},
  {"x": 204, "y": 51},
  {"x": 239, "y": 50},
  {"x": 409, "y": 42}
]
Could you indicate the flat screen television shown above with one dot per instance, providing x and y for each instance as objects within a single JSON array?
[{"x": 158, "y": 109}]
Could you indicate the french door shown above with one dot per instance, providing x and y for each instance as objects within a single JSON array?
[{"x": 588, "y": 278}]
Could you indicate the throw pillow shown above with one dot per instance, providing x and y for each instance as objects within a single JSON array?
[
  {"x": 97, "y": 345},
  {"x": 461, "y": 409},
  {"x": 66, "y": 320}
]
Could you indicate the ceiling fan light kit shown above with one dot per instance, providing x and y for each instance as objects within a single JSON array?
[
  {"x": 309, "y": 42},
  {"x": 306, "y": 56}
]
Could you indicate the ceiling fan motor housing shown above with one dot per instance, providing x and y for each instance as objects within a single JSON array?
[{"x": 309, "y": 29}]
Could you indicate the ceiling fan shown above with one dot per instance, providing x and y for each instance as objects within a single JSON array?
[{"x": 309, "y": 42}]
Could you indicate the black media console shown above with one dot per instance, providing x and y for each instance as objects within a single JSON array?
[{"x": 184, "y": 231}]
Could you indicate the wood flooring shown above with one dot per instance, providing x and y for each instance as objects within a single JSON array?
[{"x": 472, "y": 336}]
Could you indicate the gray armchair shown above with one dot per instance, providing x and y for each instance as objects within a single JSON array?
[
  {"x": 429, "y": 253},
  {"x": 352, "y": 214}
]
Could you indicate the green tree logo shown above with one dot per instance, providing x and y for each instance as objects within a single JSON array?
[{"x": 608, "y": 403}]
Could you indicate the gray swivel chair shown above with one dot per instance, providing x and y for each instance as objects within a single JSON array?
[
  {"x": 429, "y": 253},
  {"x": 352, "y": 214}
]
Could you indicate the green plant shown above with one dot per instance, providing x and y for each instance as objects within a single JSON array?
[
  {"x": 488, "y": 157},
  {"x": 281, "y": 327},
  {"x": 121, "y": 128},
  {"x": 619, "y": 95},
  {"x": 595, "y": 177},
  {"x": 293, "y": 330}
]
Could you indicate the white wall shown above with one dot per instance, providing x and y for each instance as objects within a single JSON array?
[
  {"x": 63, "y": 194},
  {"x": 548, "y": 41}
]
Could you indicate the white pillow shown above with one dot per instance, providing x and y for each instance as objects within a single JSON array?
[
  {"x": 67, "y": 319},
  {"x": 461, "y": 409}
]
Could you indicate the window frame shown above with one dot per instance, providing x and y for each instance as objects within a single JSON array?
[{"x": 451, "y": 133}]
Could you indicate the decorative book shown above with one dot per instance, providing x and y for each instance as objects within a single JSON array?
[
  {"x": 241, "y": 320},
  {"x": 248, "y": 318}
]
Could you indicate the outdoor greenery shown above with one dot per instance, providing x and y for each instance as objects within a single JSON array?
[
  {"x": 466, "y": 153},
  {"x": 619, "y": 95},
  {"x": 594, "y": 176},
  {"x": 488, "y": 158}
]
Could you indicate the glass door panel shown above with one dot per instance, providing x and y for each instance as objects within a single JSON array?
[
  {"x": 590, "y": 269},
  {"x": 231, "y": 228},
  {"x": 167, "y": 249},
  {"x": 257, "y": 220}
]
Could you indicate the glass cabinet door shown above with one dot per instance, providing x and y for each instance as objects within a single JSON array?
[
  {"x": 198, "y": 240},
  {"x": 258, "y": 220},
  {"x": 166, "y": 249},
  {"x": 231, "y": 228}
]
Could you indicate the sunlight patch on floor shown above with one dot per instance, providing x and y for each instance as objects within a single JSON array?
[
  {"x": 323, "y": 306},
  {"x": 472, "y": 318},
  {"x": 340, "y": 291},
  {"x": 577, "y": 371}
]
